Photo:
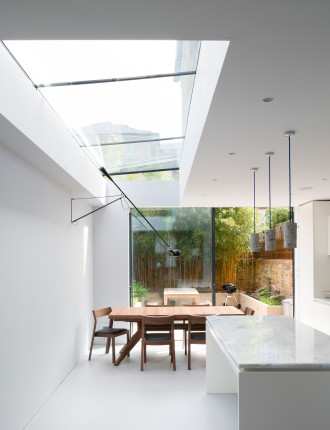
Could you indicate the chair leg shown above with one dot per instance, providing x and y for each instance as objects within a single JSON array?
[
  {"x": 142, "y": 351},
  {"x": 171, "y": 352},
  {"x": 183, "y": 338},
  {"x": 113, "y": 350},
  {"x": 127, "y": 342},
  {"x": 108, "y": 345},
  {"x": 189, "y": 355},
  {"x": 91, "y": 348},
  {"x": 185, "y": 342},
  {"x": 173, "y": 355}
]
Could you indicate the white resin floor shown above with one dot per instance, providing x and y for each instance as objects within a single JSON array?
[{"x": 97, "y": 394}]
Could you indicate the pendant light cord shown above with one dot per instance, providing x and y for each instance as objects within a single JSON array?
[
  {"x": 290, "y": 208},
  {"x": 270, "y": 200},
  {"x": 254, "y": 201}
]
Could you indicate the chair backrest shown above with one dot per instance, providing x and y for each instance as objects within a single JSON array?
[
  {"x": 157, "y": 320},
  {"x": 102, "y": 312},
  {"x": 196, "y": 319},
  {"x": 248, "y": 311},
  {"x": 152, "y": 320}
]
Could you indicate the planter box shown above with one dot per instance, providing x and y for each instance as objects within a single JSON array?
[{"x": 258, "y": 307}]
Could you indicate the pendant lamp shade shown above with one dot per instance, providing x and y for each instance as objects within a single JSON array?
[
  {"x": 290, "y": 235},
  {"x": 290, "y": 227},
  {"x": 254, "y": 237},
  {"x": 270, "y": 238},
  {"x": 254, "y": 242}
]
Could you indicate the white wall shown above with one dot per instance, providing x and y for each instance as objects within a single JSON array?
[
  {"x": 111, "y": 257},
  {"x": 313, "y": 265},
  {"x": 111, "y": 238},
  {"x": 30, "y": 127},
  {"x": 45, "y": 288},
  {"x": 210, "y": 61}
]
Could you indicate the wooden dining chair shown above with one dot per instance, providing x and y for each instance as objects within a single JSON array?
[
  {"x": 108, "y": 332},
  {"x": 158, "y": 328},
  {"x": 196, "y": 333},
  {"x": 185, "y": 329},
  {"x": 151, "y": 324},
  {"x": 248, "y": 311}
]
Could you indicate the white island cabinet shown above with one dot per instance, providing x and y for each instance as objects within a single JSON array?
[{"x": 279, "y": 367}]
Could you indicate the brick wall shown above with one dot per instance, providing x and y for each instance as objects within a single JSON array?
[
  {"x": 279, "y": 270},
  {"x": 251, "y": 275},
  {"x": 279, "y": 253}
]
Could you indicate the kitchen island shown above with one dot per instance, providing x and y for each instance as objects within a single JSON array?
[{"x": 279, "y": 367}]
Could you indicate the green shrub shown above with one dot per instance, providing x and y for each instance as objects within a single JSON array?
[{"x": 139, "y": 291}]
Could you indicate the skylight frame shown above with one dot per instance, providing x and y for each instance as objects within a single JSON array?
[{"x": 122, "y": 79}]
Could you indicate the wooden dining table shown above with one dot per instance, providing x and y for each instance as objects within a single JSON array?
[{"x": 135, "y": 314}]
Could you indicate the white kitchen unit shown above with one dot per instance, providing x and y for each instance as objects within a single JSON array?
[{"x": 279, "y": 367}]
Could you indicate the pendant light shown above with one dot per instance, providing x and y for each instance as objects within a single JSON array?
[
  {"x": 290, "y": 227},
  {"x": 254, "y": 237},
  {"x": 270, "y": 239}
]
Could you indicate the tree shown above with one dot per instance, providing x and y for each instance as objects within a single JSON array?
[
  {"x": 233, "y": 227},
  {"x": 279, "y": 214}
]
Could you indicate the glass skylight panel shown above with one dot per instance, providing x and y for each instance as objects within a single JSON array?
[
  {"x": 160, "y": 175},
  {"x": 50, "y": 61},
  {"x": 122, "y": 111},
  {"x": 128, "y": 124},
  {"x": 138, "y": 157}
]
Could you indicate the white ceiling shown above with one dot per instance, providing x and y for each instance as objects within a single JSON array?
[{"x": 278, "y": 48}]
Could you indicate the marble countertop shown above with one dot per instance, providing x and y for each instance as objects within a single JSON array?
[{"x": 271, "y": 342}]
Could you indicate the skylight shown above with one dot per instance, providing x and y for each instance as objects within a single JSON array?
[{"x": 126, "y": 103}]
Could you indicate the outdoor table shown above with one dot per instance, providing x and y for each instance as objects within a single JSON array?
[
  {"x": 180, "y": 293},
  {"x": 134, "y": 314}
]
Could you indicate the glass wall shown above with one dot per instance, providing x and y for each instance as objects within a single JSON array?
[
  {"x": 266, "y": 275},
  {"x": 155, "y": 272},
  {"x": 158, "y": 278}
]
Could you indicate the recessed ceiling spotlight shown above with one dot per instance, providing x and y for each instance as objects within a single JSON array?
[
  {"x": 231, "y": 153},
  {"x": 305, "y": 188},
  {"x": 268, "y": 99},
  {"x": 324, "y": 179},
  {"x": 214, "y": 179}
]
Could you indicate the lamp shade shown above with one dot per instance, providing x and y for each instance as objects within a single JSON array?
[
  {"x": 254, "y": 242},
  {"x": 270, "y": 240},
  {"x": 290, "y": 228},
  {"x": 290, "y": 235}
]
